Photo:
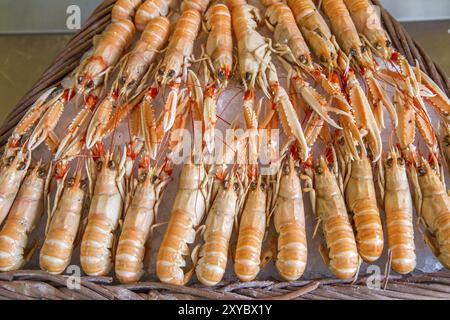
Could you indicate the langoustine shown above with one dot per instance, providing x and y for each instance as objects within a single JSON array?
[
  {"x": 63, "y": 226},
  {"x": 12, "y": 173},
  {"x": 378, "y": 40},
  {"x": 126, "y": 91},
  {"x": 321, "y": 42},
  {"x": 213, "y": 254},
  {"x": 96, "y": 255},
  {"x": 292, "y": 48},
  {"x": 88, "y": 76},
  {"x": 432, "y": 204},
  {"x": 254, "y": 54},
  {"x": 140, "y": 217},
  {"x": 340, "y": 252},
  {"x": 289, "y": 220},
  {"x": 190, "y": 205},
  {"x": 175, "y": 64},
  {"x": 24, "y": 215},
  {"x": 398, "y": 207},
  {"x": 360, "y": 197},
  {"x": 252, "y": 228},
  {"x": 219, "y": 57}
]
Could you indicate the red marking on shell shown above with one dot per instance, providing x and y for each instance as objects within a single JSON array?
[
  {"x": 98, "y": 150},
  {"x": 249, "y": 94},
  {"x": 252, "y": 172},
  {"x": 153, "y": 92},
  {"x": 91, "y": 100},
  {"x": 308, "y": 163},
  {"x": 14, "y": 143},
  {"x": 329, "y": 155},
  {"x": 226, "y": 72},
  {"x": 61, "y": 170},
  {"x": 168, "y": 167},
  {"x": 115, "y": 95},
  {"x": 68, "y": 95},
  {"x": 221, "y": 175},
  {"x": 211, "y": 90},
  {"x": 395, "y": 56},
  {"x": 145, "y": 162}
]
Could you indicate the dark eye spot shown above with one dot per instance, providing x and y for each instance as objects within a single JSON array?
[
  {"x": 422, "y": 171},
  {"x": 123, "y": 80},
  {"x": 171, "y": 73},
  {"x": 389, "y": 162},
  {"x": 111, "y": 164},
  {"x": 236, "y": 186},
  {"x": 10, "y": 160},
  {"x": 319, "y": 170},
  {"x": 263, "y": 186},
  {"x": 142, "y": 177},
  {"x": 161, "y": 71},
  {"x": 253, "y": 185},
  {"x": 84, "y": 184},
  {"x": 221, "y": 74},
  {"x": 447, "y": 140},
  {"x": 303, "y": 59},
  {"x": 21, "y": 166},
  {"x": 388, "y": 43},
  {"x": 70, "y": 182},
  {"x": 90, "y": 84},
  {"x": 248, "y": 76},
  {"x": 353, "y": 52},
  {"x": 401, "y": 161},
  {"x": 363, "y": 49},
  {"x": 99, "y": 165},
  {"x": 286, "y": 169},
  {"x": 154, "y": 179},
  {"x": 80, "y": 79},
  {"x": 323, "y": 59},
  {"x": 41, "y": 173}
]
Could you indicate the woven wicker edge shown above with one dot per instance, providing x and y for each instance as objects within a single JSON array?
[{"x": 35, "y": 284}]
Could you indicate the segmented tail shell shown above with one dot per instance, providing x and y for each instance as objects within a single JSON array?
[
  {"x": 251, "y": 233},
  {"x": 23, "y": 218},
  {"x": 124, "y": 9},
  {"x": 399, "y": 215}
]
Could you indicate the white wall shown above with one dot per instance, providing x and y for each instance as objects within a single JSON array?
[
  {"x": 415, "y": 10},
  {"x": 40, "y": 16}
]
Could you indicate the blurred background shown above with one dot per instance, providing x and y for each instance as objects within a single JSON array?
[{"x": 32, "y": 32}]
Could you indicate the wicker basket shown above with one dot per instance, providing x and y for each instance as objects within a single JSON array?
[{"x": 34, "y": 284}]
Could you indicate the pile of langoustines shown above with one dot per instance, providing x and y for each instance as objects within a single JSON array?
[{"x": 352, "y": 63}]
